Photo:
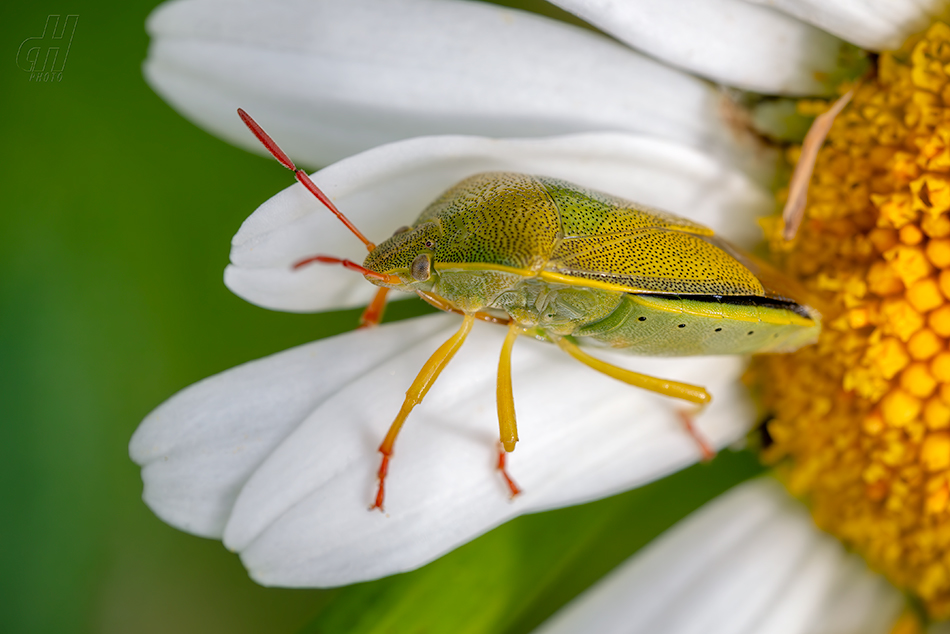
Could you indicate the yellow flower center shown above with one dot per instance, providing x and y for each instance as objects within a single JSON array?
[{"x": 862, "y": 418}]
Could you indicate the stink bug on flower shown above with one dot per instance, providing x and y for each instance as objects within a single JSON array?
[{"x": 573, "y": 267}]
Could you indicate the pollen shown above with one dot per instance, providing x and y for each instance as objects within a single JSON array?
[{"x": 860, "y": 423}]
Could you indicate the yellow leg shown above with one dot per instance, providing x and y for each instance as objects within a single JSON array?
[
  {"x": 414, "y": 395},
  {"x": 507, "y": 425},
  {"x": 684, "y": 391}
]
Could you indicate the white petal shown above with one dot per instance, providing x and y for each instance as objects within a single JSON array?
[
  {"x": 328, "y": 79},
  {"x": 301, "y": 516},
  {"x": 729, "y": 41},
  {"x": 748, "y": 562},
  {"x": 389, "y": 186},
  {"x": 302, "y": 519},
  {"x": 199, "y": 447},
  {"x": 872, "y": 24},
  {"x": 859, "y": 603}
]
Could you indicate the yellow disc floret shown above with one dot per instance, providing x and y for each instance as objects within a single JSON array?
[{"x": 861, "y": 426}]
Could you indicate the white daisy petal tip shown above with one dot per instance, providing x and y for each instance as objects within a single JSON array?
[
  {"x": 870, "y": 24},
  {"x": 732, "y": 42},
  {"x": 750, "y": 561},
  {"x": 389, "y": 186},
  {"x": 331, "y": 79},
  {"x": 279, "y": 456}
]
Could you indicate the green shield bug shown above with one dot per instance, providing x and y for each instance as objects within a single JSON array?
[{"x": 573, "y": 267}]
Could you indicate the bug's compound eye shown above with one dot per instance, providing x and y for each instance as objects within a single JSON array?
[
  {"x": 420, "y": 267},
  {"x": 402, "y": 229}
]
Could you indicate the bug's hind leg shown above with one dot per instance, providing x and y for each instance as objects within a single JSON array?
[
  {"x": 414, "y": 395},
  {"x": 507, "y": 424},
  {"x": 705, "y": 449},
  {"x": 674, "y": 389}
]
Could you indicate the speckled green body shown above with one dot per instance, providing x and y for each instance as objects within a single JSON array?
[{"x": 561, "y": 260}]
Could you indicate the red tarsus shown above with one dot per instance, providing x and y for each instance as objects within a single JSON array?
[
  {"x": 704, "y": 447},
  {"x": 381, "y": 474},
  {"x": 502, "y": 460}
]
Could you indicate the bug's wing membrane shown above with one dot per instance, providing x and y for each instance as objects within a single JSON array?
[
  {"x": 639, "y": 249},
  {"x": 777, "y": 285},
  {"x": 655, "y": 260},
  {"x": 585, "y": 212}
]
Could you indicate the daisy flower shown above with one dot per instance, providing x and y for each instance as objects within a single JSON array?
[{"x": 405, "y": 98}]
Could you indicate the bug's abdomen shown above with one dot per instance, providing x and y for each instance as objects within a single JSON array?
[{"x": 664, "y": 325}]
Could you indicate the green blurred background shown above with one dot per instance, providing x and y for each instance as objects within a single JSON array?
[{"x": 116, "y": 221}]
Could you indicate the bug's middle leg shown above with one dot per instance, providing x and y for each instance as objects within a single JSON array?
[
  {"x": 507, "y": 424},
  {"x": 414, "y": 395}
]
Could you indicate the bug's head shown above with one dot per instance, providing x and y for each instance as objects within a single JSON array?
[
  {"x": 409, "y": 254},
  {"x": 404, "y": 261}
]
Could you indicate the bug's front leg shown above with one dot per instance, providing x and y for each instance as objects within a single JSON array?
[
  {"x": 374, "y": 312},
  {"x": 414, "y": 395}
]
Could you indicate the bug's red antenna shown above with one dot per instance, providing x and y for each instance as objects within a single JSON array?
[
  {"x": 299, "y": 174},
  {"x": 348, "y": 264}
]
